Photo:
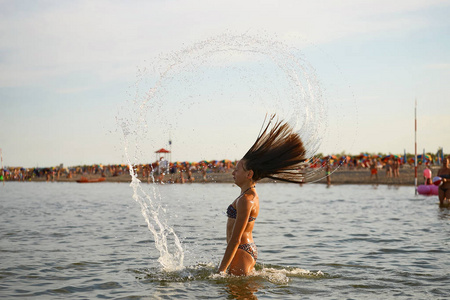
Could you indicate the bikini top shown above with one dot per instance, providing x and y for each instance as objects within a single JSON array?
[{"x": 232, "y": 213}]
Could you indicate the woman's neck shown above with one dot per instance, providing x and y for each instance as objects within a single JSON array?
[{"x": 246, "y": 187}]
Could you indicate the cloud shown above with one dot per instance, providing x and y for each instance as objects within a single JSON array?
[{"x": 109, "y": 38}]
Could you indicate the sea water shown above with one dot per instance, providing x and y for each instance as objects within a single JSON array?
[{"x": 84, "y": 241}]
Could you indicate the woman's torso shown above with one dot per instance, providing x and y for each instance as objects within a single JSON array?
[
  {"x": 444, "y": 171},
  {"x": 247, "y": 236}
]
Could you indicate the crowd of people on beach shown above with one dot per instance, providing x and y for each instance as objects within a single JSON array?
[
  {"x": 180, "y": 172},
  {"x": 154, "y": 171}
]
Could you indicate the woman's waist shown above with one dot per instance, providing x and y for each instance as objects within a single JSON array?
[
  {"x": 246, "y": 239},
  {"x": 445, "y": 185}
]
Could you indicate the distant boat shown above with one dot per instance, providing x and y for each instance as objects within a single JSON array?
[{"x": 85, "y": 180}]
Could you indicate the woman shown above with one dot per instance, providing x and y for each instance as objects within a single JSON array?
[
  {"x": 278, "y": 154},
  {"x": 427, "y": 174},
  {"x": 444, "y": 188},
  {"x": 374, "y": 169},
  {"x": 388, "y": 168},
  {"x": 396, "y": 168}
]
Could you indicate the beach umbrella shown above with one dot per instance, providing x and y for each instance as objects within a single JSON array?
[
  {"x": 423, "y": 158},
  {"x": 388, "y": 157},
  {"x": 162, "y": 150},
  {"x": 347, "y": 159},
  {"x": 426, "y": 156},
  {"x": 330, "y": 157}
]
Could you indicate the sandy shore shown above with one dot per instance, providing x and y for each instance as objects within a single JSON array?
[{"x": 340, "y": 176}]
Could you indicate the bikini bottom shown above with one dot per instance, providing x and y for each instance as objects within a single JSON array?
[{"x": 251, "y": 249}]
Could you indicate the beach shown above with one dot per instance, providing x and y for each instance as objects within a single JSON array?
[{"x": 342, "y": 175}]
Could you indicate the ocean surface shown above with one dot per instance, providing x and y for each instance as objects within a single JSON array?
[{"x": 86, "y": 241}]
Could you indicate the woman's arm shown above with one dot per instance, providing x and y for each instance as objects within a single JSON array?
[
  {"x": 243, "y": 207},
  {"x": 445, "y": 177}
]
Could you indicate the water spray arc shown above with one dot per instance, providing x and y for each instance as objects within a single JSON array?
[{"x": 294, "y": 94}]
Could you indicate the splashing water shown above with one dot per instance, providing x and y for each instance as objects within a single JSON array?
[
  {"x": 281, "y": 275},
  {"x": 272, "y": 273},
  {"x": 166, "y": 241},
  {"x": 228, "y": 79}
]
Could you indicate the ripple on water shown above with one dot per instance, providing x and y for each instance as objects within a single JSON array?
[{"x": 396, "y": 248}]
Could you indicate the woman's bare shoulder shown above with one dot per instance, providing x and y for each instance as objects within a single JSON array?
[{"x": 247, "y": 200}]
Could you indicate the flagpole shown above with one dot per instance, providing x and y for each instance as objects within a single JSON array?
[
  {"x": 3, "y": 173},
  {"x": 170, "y": 148},
  {"x": 415, "y": 146}
]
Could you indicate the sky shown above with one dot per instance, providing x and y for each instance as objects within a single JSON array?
[{"x": 72, "y": 73}]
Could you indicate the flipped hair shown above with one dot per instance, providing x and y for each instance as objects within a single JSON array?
[{"x": 278, "y": 154}]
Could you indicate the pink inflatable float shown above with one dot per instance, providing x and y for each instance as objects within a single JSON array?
[{"x": 428, "y": 190}]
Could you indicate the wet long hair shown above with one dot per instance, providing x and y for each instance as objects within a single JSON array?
[{"x": 278, "y": 153}]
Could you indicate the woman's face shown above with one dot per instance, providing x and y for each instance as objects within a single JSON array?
[{"x": 240, "y": 175}]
